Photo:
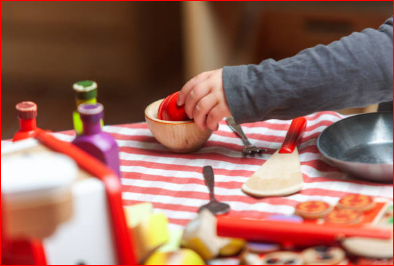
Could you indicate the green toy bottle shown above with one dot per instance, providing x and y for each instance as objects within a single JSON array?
[{"x": 85, "y": 92}]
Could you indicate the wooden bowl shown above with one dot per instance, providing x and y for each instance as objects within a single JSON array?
[{"x": 177, "y": 136}]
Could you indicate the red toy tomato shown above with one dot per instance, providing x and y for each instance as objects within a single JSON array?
[
  {"x": 159, "y": 113},
  {"x": 170, "y": 111},
  {"x": 162, "y": 107}
]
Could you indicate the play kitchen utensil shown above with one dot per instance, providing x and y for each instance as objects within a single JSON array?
[
  {"x": 281, "y": 174},
  {"x": 361, "y": 145},
  {"x": 214, "y": 206},
  {"x": 249, "y": 148}
]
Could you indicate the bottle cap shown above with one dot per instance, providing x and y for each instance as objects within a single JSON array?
[
  {"x": 26, "y": 110},
  {"x": 86, "y": 89},
  {"x": 91, "y": 112}
]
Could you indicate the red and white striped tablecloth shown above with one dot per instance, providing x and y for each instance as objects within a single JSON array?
[{"x": 174, "y": 184}]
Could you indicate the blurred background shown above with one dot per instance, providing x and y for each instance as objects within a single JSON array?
[{"x": 139, "y": 52}]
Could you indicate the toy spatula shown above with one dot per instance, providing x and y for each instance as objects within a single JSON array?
[{"x": 281, "y": 174}]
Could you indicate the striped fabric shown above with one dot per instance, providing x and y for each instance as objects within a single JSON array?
[{"x": 174, "y": 184}]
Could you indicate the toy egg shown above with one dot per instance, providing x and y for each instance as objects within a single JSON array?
[{"x": 177, "y": 136}]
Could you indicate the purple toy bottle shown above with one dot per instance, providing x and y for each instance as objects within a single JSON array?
[{"x": 93, "y": 140}]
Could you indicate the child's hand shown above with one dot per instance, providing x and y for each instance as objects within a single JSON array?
[{"x": 204, "y": 99}]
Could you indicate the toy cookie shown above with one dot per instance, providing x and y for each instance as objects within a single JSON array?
[
  {"x": 356, "y": 202},
  {"x": 313, "y": 209},
  {"x": 323, "y": 255},
  {"x": 283, "y": 258}
]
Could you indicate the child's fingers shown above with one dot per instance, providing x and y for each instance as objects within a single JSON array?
[
  {"x": 203, "y": 107},
  {"x": 196, "y": 94},
  {"x": 189, "y": 86},
  {"x": 214, "y": 116}
]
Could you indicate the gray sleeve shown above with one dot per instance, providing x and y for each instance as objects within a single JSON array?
[{"x": 355, "y": 71}]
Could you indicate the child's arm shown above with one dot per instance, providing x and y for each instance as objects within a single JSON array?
[
  {"x": 352, "y": 72},
  {"x": 355, "y": 71}
]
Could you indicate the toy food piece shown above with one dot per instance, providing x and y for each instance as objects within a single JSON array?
[
  {"x": 367, "y": 261},
  {"x": 224, "y": 261},
  {"x": 283, "y": 258},
  {"x": 323, "y": 255},
  {"x": 344, "y": 217},
  {"x": 200, "y": 236},
  {"x": 369, "y": 247},
  {"x": 151, "y": 234},
  {"x": 356, "y": 202},
  {"x": 390, "y": 210},
  {"x": 179, "y": 257},
  {"x": 313, "y": 209},
  {"x": 248, "y": 258},
  {"x": 261, "y": 248},
  {"x": 386, "y": 221},
  {"x": 372, "y": 248},
  {"x": 233, "y": 247},
  {"x": 137, "y": 213},
  {"x": 174, "y": 242},
  {"x": 169, "y": 109},
  {"x": 149, "y": 229}
]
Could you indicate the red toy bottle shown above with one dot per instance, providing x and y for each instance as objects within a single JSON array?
[
  {"x": 23, "y": 251},
  {"x": 26, "y": 113}
]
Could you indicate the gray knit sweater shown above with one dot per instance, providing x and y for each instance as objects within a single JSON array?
[{"x": 355, "y": 71}]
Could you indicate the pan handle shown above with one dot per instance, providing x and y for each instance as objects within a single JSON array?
[{"x": 293, "y": 135}]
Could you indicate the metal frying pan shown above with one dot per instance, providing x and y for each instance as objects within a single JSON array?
[{"x": 361, "y": 145}]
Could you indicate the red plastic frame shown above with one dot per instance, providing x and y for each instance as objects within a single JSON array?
[
  {"x": 292, "y": 234},
  {"x": 122, "y": 235}
]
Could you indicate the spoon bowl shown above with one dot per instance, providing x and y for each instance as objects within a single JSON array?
[
  {"x": 213, "y": 205},
  {"x": 216, "y": 207}
]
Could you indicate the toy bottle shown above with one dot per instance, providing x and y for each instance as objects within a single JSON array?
[
  {"x": 86, "y": 92},
  {"x": 93, "y": 140},
  {"x": 26, "y": 113},
  {"x": 22, "y": 251}
]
